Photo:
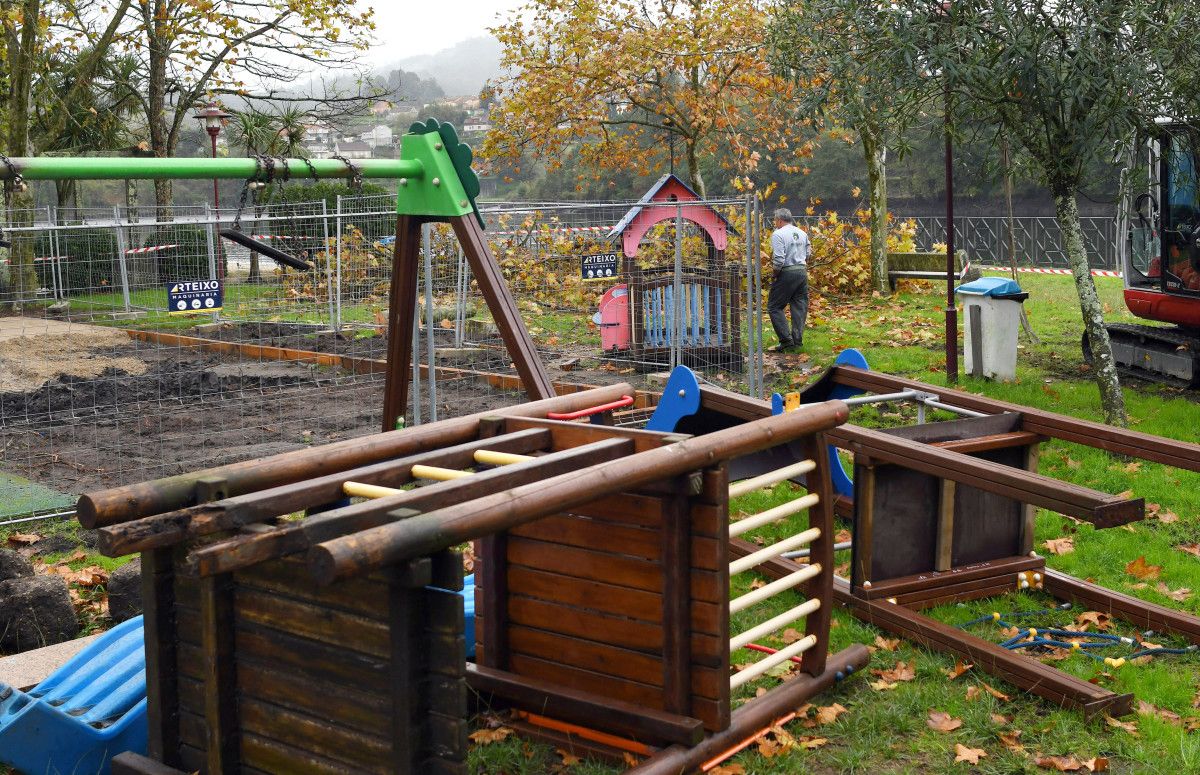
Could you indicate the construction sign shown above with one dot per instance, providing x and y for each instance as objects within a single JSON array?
[
  {"x": 601, "y": 266},
  {"x": 194, "y": 296}
]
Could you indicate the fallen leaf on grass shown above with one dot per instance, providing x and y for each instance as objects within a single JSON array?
[
  {"x": 959, "y": 668},
  {"x": 1141, "y": 570},
  {"x": 757, "y": 584},
  {"x": 998, "y": 718},
  {"x": 728, "y": 769},
  {"x": 994, "y": 692},
  {"x": 1146, "y": 709},
  {"x": 791, "y": 635},
  {"x": 23, "y": 538},
  {"x": 811, "y": 742},
  {"x": 829, "y": 713},
  {"x": 1132, "y": 468},
  {"x": 942, "y": 722},
  {"x": 1128, "y": 726},
  {"x": 1012, "y": 740},
  {"x": 1192, "y": 549},
  {"x": 489, "y": 736},
  {"x": 887, "y": 644},
  {"x": 1060, "y": 545},
  {"x": 968, "y": 755},
  {"x": 568, "y": 759},
  {"x": 1101, "y": 620},
  {"x": 1181, "y": 594},
  {"x": 903, "y": 671},
  {"x": 882, "y": 686},
  {"x": 1060, "y": 763}
]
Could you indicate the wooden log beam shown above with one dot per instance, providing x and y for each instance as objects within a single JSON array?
[
  {"x": 230, "y": 513},
  {"x": 243, "y": 551},
  {"x": 1101, "y": 509},
  {"x": 1178, "y": 454},
  {"x": 756, "y": 716},
  {"x": 369, "y": 549},
  {"x": 1140, "y": 613},
  {"x": 402, "y": 303},
  {"x": 568, "y": 704},
  {"x": 1024, "y": 672},
  {"x": 120, "y": 504}
]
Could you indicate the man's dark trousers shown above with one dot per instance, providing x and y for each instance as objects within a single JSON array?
[{"x": 789, "y": 288}]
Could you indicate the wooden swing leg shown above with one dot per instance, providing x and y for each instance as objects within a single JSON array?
[{"x": 401, "y": 310}]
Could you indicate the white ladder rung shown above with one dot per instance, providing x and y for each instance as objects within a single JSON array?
[
  {"x": 774, "y": 550},
  {"x": 363, "y": 490},
  {"x": 775, "y": 587},
  {"x": 778, "y": 658},
  {"x": 771, "y": 478},
  {"x": 774, "y": 514},
  {"x": 773, "y": 624}
]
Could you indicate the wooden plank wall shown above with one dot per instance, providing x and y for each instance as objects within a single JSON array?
[
  {"x": 588, "y": 591},
  {"x": 316, "y": 676}
]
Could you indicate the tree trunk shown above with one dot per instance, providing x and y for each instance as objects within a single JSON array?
[
  {"x": 875, "y": 153},
  {"x": 154, "y": 17},
  {"x": 21, "y": 49},
  {"x": 1104, "y": 366},
  {"x": 694, "y": 169}
]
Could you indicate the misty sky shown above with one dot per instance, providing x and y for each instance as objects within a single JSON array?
[{"x": 411, "y": 27}]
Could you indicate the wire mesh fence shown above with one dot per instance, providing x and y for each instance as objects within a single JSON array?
[{"x": 104, "y": 382}]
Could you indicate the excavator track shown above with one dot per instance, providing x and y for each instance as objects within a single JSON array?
[{"x": 1168, "y": 356}]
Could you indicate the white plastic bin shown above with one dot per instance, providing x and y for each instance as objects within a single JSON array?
[{"x": 991, "y": 314}]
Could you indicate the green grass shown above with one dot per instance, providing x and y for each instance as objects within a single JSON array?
[{"x": 886, "y": 731}]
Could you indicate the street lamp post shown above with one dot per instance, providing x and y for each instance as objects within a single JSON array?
[{"x": 213, "y": 118}]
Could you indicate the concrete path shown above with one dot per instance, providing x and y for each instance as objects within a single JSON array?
[{"x": 28, "y": 669}]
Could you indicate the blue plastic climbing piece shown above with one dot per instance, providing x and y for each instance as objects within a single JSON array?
[
  {"x": 680, "y": 398},
  {"x": 88, "y": 711}
]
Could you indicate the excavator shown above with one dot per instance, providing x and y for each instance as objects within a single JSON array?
[{"x": 1160, "y": 258}]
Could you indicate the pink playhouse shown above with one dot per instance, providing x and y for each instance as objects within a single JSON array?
[{"x": 650, "y": 314}]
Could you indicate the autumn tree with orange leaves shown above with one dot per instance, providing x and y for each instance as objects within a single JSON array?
[{"x": 618, "y": 78}]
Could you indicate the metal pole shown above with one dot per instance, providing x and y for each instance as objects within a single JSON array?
[
  {"x": 210, "y": 236},
  {"x": 199, "y": 168},
  {"x": 677, "y": 284},
  {"x": 460, "y": 299},
  {"x": 122, "y": 245},
  {"x": 758, "y": 286},
  {"x": 329, "y": 290},
  {"x": 431, "y": 351},
  {"x": 951, "y": 309},
  {"x": 751, "y": 370},
  {"x": 337, "y": 274}
]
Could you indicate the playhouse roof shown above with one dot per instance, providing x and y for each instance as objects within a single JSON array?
[{"x": 657, "y": 194}]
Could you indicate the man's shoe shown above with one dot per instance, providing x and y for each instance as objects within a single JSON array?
[{"x": 780, "y": 348}]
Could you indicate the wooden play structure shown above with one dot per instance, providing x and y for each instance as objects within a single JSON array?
[
  {"x": 334, "y": 642},
  {"x": 302, "y": 611},
  {"x": 708, "y": 329},
  {"x": 944, "y": 512}
]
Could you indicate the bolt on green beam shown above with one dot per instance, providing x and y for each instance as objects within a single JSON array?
[{"x": 121, "y": 168}]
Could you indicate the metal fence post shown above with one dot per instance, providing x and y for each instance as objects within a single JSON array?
[
  {"x": 122, "y": 246},
  {"x": 211, "y": 245},
  {"x": 334, "y": 321},
  {"x": 677, "y": 293},
  {"x": 337, "y": 272}
]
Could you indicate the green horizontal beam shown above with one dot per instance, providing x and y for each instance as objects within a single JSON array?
[{"x": 121, "y": 168}]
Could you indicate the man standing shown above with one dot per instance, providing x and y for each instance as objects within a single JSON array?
[{"x": 789, "y": 287}]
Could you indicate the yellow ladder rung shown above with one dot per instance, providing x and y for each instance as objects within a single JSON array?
[
  {"x": 493, "y": 458},
  {"x": 361, "y": 490},
  {"x": 439, "y": 474}
]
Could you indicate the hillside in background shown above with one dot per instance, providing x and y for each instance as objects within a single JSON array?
[{"x": 460, "y": 70}]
